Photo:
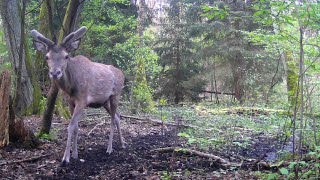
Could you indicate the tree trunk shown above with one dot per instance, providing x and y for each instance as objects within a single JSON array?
[
  {"x": 70, "y": 19},
  {"x": 48, "y": 113},
  {"x": 12, "y": 27},
  {"x": 178, "y": 78},
  {"x": 5, "y": 82},
  {"x": 292, "y": 79},
  {"x": 178, "y": 74},
  {"x": 301, "y": 79},
  {"x": 238, "y": 77},
  {"x": 46, "y": 28},
  {"x": 69, "y": 23},
  {"x": 41, "y": 69},
  {"x": 10, "y": 128}
]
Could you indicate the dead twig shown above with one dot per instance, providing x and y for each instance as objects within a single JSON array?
[
  {"x": 160, "y": 122},
  {"x": 95, "y": 114},
  {"x": 218, "y": 159},
  {"x": 25, "y": 160},
  {"x": 95, "y": 127}
]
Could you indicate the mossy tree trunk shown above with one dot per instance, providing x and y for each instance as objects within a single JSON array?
[
  {"x": 15, "y": 40},
  {"x": 69, "y": 23},
  {"x": 5, "y": 82},
  {"x": 292, "y": 79},
  {"x": 40, "y": 67},
  {"x": 46, "y": 28}
]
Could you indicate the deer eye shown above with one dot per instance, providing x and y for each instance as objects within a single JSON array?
[
  {"x": 47, "y": 58},
  {"x": 66, "y": 57}
]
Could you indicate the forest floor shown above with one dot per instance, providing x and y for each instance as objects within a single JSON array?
[{"x": 140, "y": 159}]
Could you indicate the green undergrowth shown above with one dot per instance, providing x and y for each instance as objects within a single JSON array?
[
  {"x": 220, "y": 126},
  {"x": 52, "y": 136},
  {"x": 233, "y": 129}
]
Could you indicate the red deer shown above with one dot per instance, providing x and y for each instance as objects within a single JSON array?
[{"x": 87, "y": 83}]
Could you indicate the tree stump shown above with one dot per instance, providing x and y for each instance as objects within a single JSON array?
[
  {"x": 11, "y": 128},
  {"x": 5, "y": 81}
]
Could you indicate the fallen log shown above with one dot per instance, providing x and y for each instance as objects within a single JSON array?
[{"x": 218, "y": 159}]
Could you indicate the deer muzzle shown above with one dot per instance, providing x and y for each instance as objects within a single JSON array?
[{"x": 56, "y": 74}]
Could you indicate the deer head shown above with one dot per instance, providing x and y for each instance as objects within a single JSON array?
[{"x": 57, "y": 55}]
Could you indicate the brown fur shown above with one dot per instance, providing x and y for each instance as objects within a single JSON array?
[{"x": 88, "y": 84}]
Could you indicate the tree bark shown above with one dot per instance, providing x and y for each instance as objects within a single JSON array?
[
  {"x": 238, "y": 77},
  {"x": 46, "y": 28},
  {"x": 48, "y": 113},
  {"x": 69, "y": 23},
  {"x": 5, "y": 82},
  {"x": 12, "y": 27},
  {"x": 70, "y": 19},
  {"x": 11, "y": 129},
  {"x": 41, "y": 69},
  {"x": 178, "y": 94},
  {"x": 292, "y": 78}
]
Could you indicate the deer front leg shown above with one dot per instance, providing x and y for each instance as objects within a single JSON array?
[
  {"x": 72, "y": 129},
  {"x": 75, "y": 142}
]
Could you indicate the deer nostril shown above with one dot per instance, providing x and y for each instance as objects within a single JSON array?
[
  {"x": 58, "y": 72},
  {"x": 55, "y": 74}
]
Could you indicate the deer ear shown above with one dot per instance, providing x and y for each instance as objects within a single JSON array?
[
  {"x": 74, "y": 45},
  {"x": 72, "y": 41},
  {"x": 40, "y": 46},
  {"x": 40, "y": 42}
]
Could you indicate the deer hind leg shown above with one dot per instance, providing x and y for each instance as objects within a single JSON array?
[
  {"x": 107, "y": 107},
  {"x": 73, "y": 130},
  {"x": 115, "y": 120}
]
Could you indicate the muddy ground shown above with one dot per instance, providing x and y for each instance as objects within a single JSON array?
[{"x": 137, "y": 161}]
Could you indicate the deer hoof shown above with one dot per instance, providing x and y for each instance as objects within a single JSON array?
[
  {"x": 63, "y": 163},
  {"x": 109, "y": 150},
  {"x": 74, "y": 155}
]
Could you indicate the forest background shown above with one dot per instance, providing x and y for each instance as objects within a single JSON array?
[{"x": 213, "y": 56}]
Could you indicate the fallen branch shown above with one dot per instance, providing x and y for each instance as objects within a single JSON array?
[
  {"x": 147, "y": 120},
  {"x": 95, "y": 127},
  {"x": 160, "y": 122},
  {"x": 218, "y": 159},
  {"x": 25, "y": 160},
  {"x": 95, "y": 114},
  {"x": 156, "y": 121}
]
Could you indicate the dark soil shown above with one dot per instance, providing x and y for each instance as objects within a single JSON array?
[{"x": 137, "y": 161}]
